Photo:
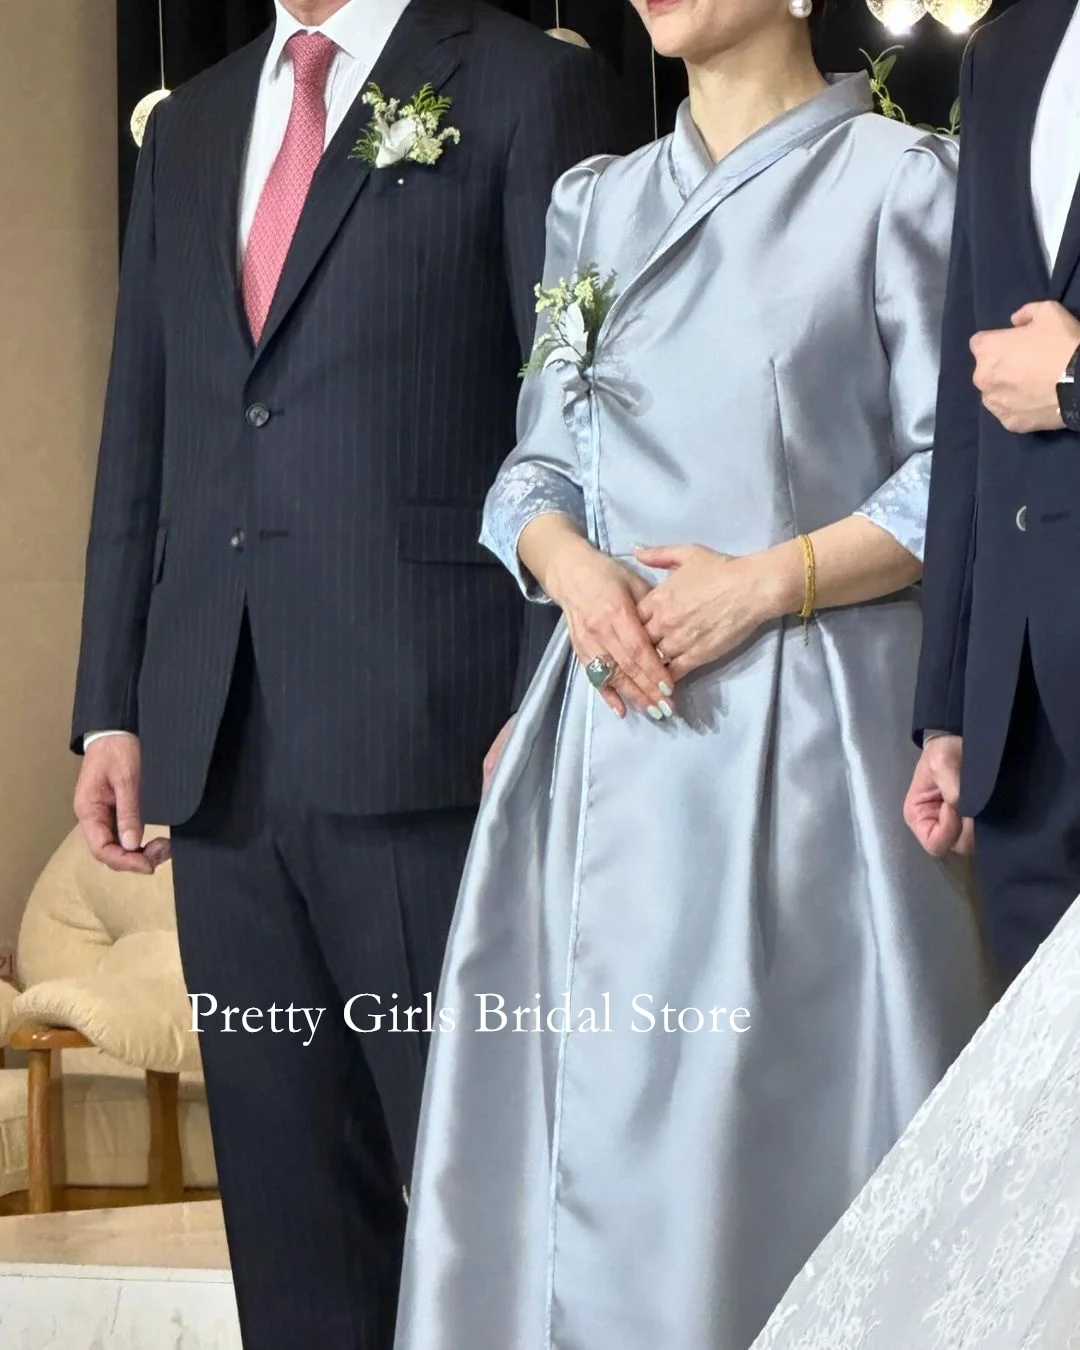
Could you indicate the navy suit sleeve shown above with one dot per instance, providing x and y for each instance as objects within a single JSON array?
[
  {"x": 127, "y": 495},
  {"x": 950, "y": 529},
  {"x": 570, "y": 115}
]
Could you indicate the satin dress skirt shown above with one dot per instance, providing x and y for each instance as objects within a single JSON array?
[{"x": 700, "y": 979}]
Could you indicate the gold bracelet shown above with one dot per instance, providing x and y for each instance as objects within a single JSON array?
[{"x": 810, "y": 597}]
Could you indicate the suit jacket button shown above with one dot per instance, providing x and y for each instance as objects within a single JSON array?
[
  {"x": 258, "y": 415},
  {"x": 237, "y": 540},
  {"x": 1021, "y": 518}
]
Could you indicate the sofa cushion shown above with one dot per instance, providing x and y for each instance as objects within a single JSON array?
[
  {"x": 106, "y": 1125},
  {"x": 79, "y": 908},
  {"x": 133, "y": 1006}
]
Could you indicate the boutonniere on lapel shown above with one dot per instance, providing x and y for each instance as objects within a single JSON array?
[
  {"x": 576, "y": 310},
  {"x": 411, "y": 133}
]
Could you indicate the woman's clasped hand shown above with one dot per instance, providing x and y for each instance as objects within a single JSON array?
[
  {"x": 651, "y": 635},
  {"x": 599, "y": 596}
]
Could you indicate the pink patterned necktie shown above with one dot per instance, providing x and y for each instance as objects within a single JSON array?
[{"x": 286, "y": 189}]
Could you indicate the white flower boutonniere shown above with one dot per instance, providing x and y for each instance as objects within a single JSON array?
[
  {"x": 576, "y": 310},
  {"x": 411, "y": 133}
]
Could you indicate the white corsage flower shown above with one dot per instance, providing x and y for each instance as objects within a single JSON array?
[
  {"x": 404, "y": 134},
  {"x": 574, "y": 347},
  {"x": 576, "y": 311},
  {"x": 396, "y": 139}
]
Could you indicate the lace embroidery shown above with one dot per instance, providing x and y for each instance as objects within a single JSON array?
[
  {"x": 522, "y": 492},
  {"x": 968, "y": 1236},
  {"x": 899, "y": 505}
]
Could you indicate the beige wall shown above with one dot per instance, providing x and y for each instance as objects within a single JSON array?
[{"x": 57, "y": 291}]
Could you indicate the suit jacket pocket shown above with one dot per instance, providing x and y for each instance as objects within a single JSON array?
[
  {"x": 436, "y": 532},
  {"x": 159, "y": 552}
]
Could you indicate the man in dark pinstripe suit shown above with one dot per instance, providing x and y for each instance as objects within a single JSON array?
[{"x": 294, "y": 651}]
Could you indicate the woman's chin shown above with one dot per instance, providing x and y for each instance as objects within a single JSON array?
[
  {"x": 671, "y": 27},
  {"x": 667, "y": 23}
]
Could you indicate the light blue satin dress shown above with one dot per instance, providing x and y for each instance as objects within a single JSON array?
[{"x": 652, "y": 1180}]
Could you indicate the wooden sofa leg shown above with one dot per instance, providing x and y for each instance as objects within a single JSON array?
[
  {"x": 39, "y": 1132},
  {"x": 166, "y": 1167}
]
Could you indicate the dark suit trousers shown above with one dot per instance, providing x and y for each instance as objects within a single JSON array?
[
  {"x": 277, "y": 907},
  {"x": 1028, "y": 837}
]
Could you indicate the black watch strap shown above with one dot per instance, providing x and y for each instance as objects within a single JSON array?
[{"x": 1069, "y": 394}]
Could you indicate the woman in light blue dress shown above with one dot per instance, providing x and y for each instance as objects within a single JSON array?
[{"x": 763, "y": 973}]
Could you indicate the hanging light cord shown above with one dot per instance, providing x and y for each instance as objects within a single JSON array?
[
  {"x": 655, "y": 100},
  {"x": 161, "y": 39}
]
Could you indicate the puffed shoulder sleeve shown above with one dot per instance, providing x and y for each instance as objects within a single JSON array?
[
  {"x": 914, "y": 239},
  {"x": 541, "y": 476}
]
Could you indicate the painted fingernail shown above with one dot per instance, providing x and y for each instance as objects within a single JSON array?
[
  {"x": 667, "y": 709},
  {"x": 655, "y": 714},
  {"x": 666, "y": 689}
]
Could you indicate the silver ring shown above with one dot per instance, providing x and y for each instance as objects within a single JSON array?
[
  {"x": 601, "y": 670},
  {"x": 661, "y": 657}
]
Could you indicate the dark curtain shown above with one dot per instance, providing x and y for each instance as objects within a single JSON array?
[{"x": 200, "y": 32}]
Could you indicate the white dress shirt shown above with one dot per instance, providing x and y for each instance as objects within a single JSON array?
[
  {"x": 1055, "y": 146},
  {"x": 361, "y": 29}
]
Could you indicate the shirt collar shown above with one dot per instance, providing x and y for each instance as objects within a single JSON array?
[{"x": 360, "y": 28}]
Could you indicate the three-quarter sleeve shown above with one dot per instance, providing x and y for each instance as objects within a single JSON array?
[
  {"x": 542, "y": 474},
  {"x": 914, "y": 239}
]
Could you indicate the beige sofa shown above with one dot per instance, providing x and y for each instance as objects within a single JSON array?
[{"x": 111, "y": 1108}]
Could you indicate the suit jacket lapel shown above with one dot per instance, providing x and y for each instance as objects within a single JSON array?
[
  {"x": 224, "y": 169},
  {"x": 1069, "y": 252},
  {"x": 419, "y": 52},
  {"x": 1018, "y": 109}
]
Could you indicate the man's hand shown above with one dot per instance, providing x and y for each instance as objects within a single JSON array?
[
  {"x": 1017, "y": 369},
  {"x": 491, "y": 759},
  {"x": 107, "y": 806},
  {"x": 930, "y": 807}
]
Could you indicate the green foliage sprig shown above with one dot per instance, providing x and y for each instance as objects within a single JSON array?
[{"x": 881, "y": 68}]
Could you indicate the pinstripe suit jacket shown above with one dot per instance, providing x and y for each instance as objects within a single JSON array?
[{"x": 329, "y": 480}]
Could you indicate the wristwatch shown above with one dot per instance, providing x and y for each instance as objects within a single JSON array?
[{"x": 1069, "y": 395}]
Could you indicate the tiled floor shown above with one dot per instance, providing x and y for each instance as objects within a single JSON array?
[{"x": 126, "y": 1279}]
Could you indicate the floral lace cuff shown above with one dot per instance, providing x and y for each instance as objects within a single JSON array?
[
  {"x": 520, "y": 494},
  {"x": 899, "y": 505}
]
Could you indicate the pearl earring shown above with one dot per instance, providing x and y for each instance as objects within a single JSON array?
[{"x": 800, "y": 9}]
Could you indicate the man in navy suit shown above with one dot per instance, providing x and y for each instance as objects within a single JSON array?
[
  {"x": 997, "y": 707},
  {"x": 295, "y": 653}
]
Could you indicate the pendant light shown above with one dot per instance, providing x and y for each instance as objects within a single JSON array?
[
  {"x": 958, "y": 15},
  {"x": 565, "y": 34},
  {"x": 898, "y": 16},
  {"x": 146, "y": 106}
]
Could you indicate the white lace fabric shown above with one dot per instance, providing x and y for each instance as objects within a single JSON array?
[{"x": 968, "y": 1236}]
